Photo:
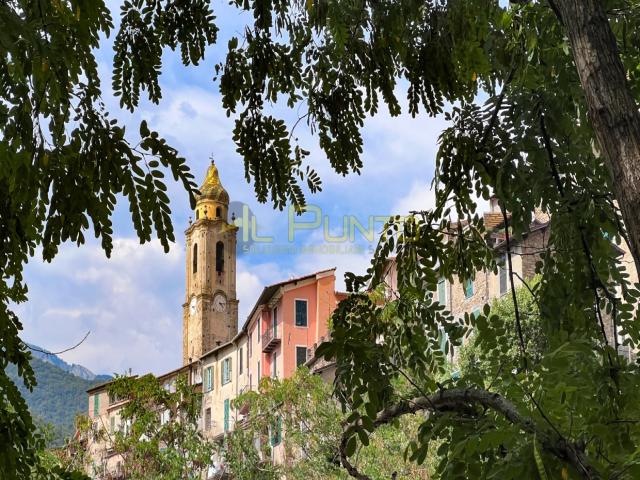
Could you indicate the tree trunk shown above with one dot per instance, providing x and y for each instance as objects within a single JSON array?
[{"x": 612, "y": 108}]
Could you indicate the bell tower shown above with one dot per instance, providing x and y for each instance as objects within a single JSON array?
[{"x": 210, "y": 311}]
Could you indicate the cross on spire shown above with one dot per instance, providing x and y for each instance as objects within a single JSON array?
[{"x": 211, "y": 158}]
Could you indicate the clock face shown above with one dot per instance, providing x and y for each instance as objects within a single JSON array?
[
  {"x": 192, "y": 306},
  {"x": 220, "y": 302}
]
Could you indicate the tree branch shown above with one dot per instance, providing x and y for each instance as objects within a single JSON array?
[
  {"x": 36, "y": 349},
  {"x": 465, "y": 400},
  {"x": 523, "y": 350}
]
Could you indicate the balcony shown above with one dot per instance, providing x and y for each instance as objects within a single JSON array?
[{"x": 271, "y": 339}]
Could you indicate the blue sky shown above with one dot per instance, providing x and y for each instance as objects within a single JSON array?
[{"x": 132, "y": 303}]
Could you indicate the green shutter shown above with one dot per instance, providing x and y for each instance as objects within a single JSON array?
[
  {"x": 96, "y": 404},
  {"x": 226, "y": 415},
  {"x": 276, "y": 432}
]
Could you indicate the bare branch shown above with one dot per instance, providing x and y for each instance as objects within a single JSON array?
[
  {"x": 465, "y": 400},
  {"x": 36, "y": 349}
]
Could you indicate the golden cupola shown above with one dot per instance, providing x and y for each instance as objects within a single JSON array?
[{"x": 213, "y": 201}]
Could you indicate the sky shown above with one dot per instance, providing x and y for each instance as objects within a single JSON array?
[{"x": 132, "y": 303}]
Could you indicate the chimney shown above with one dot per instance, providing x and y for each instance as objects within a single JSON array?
[{"x": 494, "y": 204}]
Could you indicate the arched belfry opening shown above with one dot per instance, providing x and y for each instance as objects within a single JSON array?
[
  {"x": 219, "y": 257},
  {"x": 194, "y": 260}
]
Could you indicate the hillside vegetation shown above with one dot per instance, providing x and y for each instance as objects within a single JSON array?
[{"x": 57, "y": 398}]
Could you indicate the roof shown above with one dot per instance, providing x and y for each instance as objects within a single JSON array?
[
  {"x": 211, "y": 188},
  {"x": 101, "y": 385},
  {"x": 270, "y": 290}
]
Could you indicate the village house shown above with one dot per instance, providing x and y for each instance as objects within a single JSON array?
[{"x": 286, "y": 324}]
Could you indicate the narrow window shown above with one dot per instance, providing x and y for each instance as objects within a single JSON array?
[
  {"x": 218, "y": 212},
  {"x": 301, "y": 356},
  {"x": 442, "y": 340},
  {"x": 207, "y": 419},
  {"x": 259, "y": 372},
  {"x": 197, "y": 214},
  {"x": 240, "y": 362},
  {"x": 249, "y": 348},
  {"x": 274, "y": 322},
  {"x": 274, "y": 365},
  {"x": 301, "y": 313},
  {"x": 219, "y": 257},
  {"x": 226, "y": 415},
  {"x": 226, "y": 371},
  {"x": 208, "y": 379},
  {"x": 96, "y": 404},
  {"x": 195, "y": 257},
  {"x": 442, "y": 291},
  {"x": 468, "y": 288},
  {"x": 502, "y": 271}
]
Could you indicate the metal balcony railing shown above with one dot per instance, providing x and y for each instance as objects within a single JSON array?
[{"x": 271, "y": 338}]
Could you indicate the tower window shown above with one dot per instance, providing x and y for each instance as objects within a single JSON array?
[
  {"x": 195, "y": 258},
  {"x": 219, "y": 257},
  {"x": 218, "y": 212},
  {"x": 197, "y": 214}
]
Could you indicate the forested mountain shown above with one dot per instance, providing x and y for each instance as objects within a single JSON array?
[{"x": 58, "y": 397}]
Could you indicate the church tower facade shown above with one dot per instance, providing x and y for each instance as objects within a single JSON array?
[{"x": 210, "y": 311}]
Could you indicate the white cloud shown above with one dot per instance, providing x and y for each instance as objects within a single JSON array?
[
  {"x": 419, "y": 197},
  {"x": 131, "y": 303}
]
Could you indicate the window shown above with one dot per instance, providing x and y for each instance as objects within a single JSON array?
[
  {"x": 226, "y": 415},
  {"x": 226, "y": 371},
  {"x": 208, "y": 379},
  {"x": 301, "y": 313},
  {"x": 259, "y": 372},
  {"x": 301, "y": 356},
  {"x": 218, "y": 212},
  {"x": 476, "y": 312},
  {"x": 274, "y": 321},
  {"x": 165, "y": 416},
  {"x": 442, "y": 291},
  {"x": 259, "y": 322},
  {"x": 197, "y": 214},
  {"x": 276, "y": 432},
  {"x": 240, "y": 362},
  {"x": 442, "y": 340},
  {"x": 502, "y": 272},
  {"x": 96, "y": 404},
  {"x": 113, "y": 424},
  {"x": 219, "y": 257},
  {"x": 249, "y": 347},
  {"x": 207, "y": 419},
  {"x": 274, "y": 365},
  {"x": 195, "y": 258},
  {"x": 468, "y": 288}
]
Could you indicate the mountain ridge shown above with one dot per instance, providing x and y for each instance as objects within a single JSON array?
[{"x": 72, "y": 368}]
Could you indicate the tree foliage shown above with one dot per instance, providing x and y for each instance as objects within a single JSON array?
[
  {"x": 541, "y": 99},
  {"x": 159, "y": 434},
  {"x": 300, "y": 414}
]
